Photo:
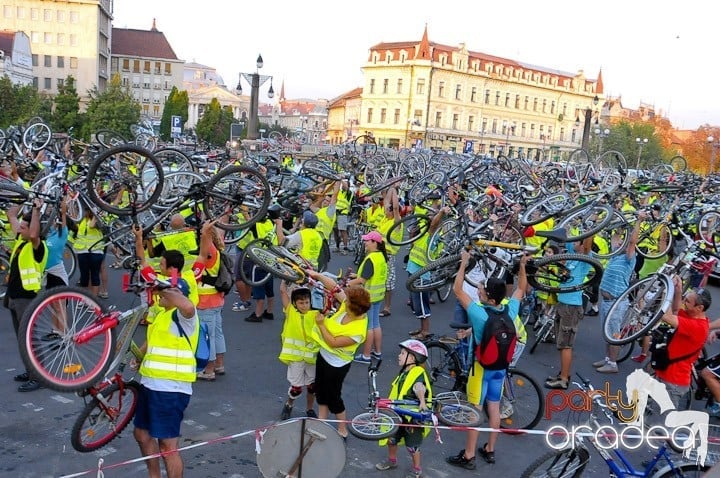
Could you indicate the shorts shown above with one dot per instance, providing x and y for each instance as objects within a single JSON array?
[
  {"x": 300, "y": 374},
  {"x": 420, "y": 304},
  {"x": 566, "y": 325},
  {"x": 373, "y": 315},
  {"x": 160, "y": 413},
  {"x": 260, "y": 292},
  {"x": 412, "y": 436},
  {"x": 54, "y": 281},
  {"x": 484, "y": 384},
  {"x": 391, "y": 276},
  {"x": 247, "y": 266},
  {"x": 342, "y": 222}
]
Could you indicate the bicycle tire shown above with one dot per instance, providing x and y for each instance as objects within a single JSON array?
[
  {"x": 121, "y": 169},
  {"x": 447, "y": 240},
  {"x": 617, "y": 227},
  {"x": 364, "y": 144},
  {"x": 314, "y": 167},
  {"x": 241, "y": 266},
  {"x": 440, "y": 272},
  {"x": 642, "y": 314},
  {"x": 708, "y": 228},
  {"x": 276, "y": 264},
  {"x": 649, "y": 236},
  {"x": 611, "y": 162},
  {"x": 37, "y": 136},
  {"x": 625, "y": 351},
  {"x": 94, "y": 428},
  {"x": 548, "y": 273},
  {"x": 70, "y": 260},
  {"x": 678, "y": 163},
  {"x": 527, "y": 399},
  {"x": 443, "y": 367},
  {"x": 540, "y": 335},
  {"x": 548, "y": 207},
  {"x": 174, "y": 160},
  {"x": 683, "y": 470},
  {"x": 426, "y": 186},
  {"x": 13, "y": 192},
  {"x": 443, "y": 293},
  {"x": 62, "y": 364},
  {"x": 4, "y": 271},
  {"x": 457, "y": 413},
  {"x": 236, "y": 190},
  {"x": 375, "y": 425},
  {"x": 569, "y": 463},
  {"x": 585, "y": 222},
  {"x": 109, "y": 138},
  {"x": 413, "y": 226},
  {"x": 380, "y": 187}
]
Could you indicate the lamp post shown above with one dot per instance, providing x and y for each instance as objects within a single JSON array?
[
  {"x": 507, "y": 136},
  {"x": 256, "y": 80},
  {"x": 714, "y": 145},
  {"x": 586, "y": 123},
  {"x": 640, "y": 142},
  {"x": 543, "y": 138},
  {"x": 602, "y": 134},
  {"x": 481, "y": 148}
]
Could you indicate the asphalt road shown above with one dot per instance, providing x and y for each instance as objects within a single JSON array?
[{"x": 35, "y": 427}]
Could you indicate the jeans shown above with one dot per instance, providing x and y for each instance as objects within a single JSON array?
[{"x": 213, "y": 318}]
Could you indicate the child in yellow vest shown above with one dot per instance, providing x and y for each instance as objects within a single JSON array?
[{"x": 412, "y": 383}]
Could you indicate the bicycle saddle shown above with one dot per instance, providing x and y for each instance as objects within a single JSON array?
[{"x": 557, "y": 235}]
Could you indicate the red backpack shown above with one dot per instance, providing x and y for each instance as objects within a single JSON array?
[{"x": 497, "y": 345}]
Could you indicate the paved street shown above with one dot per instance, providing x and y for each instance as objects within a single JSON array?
[{"x": 35, "y": 427}]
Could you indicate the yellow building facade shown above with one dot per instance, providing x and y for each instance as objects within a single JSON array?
[{"x": 426, "y": 94}]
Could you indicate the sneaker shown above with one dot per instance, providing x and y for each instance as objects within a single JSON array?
[
  {"x": 461, "y": 461},
  {"x": 553, "y": 377},
  {"x": 506, "y": 408},
  {"x": 286, "y": 411},
  {"x": 253, "y": 318},
  {"x": 376, "y": 355},
  {"x": 488, "y": 456},
  {"x": 311, "y": 413},
  {"x": 240, "y": 306},
  {"x": 593, "y": 312},
  {"x": 30, "y": 386},
  {"x": 639, "y": 358},
  {"x": 558, "y": 383},
  {"x": 202, "y": 375},
  {"x": 600, "y": 363},
  {"x": 414, "y": 474},
  {"x": 386, "y": 465},
  {"x": 22, "y": 377},
  {"x": 360, "y": 358},
  {"x": 268, "y": 315},
  {"x": 610, "y": 367},
  {"x": 713, "y": 410},
  {"x": 103, "y": 295}
]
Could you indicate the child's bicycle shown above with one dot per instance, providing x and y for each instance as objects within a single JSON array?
[
  {"x": 384, "y": 416},
  {"x": 70, "y": 342}
]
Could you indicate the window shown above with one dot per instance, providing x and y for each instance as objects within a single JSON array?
[
  {"x": 156, "y": 111},
  {"x": 399, "y": 86},
  {"x": 552, "y": 108},
  {"x": 527, "y": 100},
  {"x": 487, "y": 97},
  {"x": 473, "y": 94},
  {"x": 73, "y": 39},
  {"x": 396, "y": 116},
  {"x": 47, "y": 61},
  {"x": 61, "y": 62},
  {"x": 35, "y": 59},
  {"x": 124, "y": 81},
  {"x": 73, "y": 62},
  {"x": 35, "y": 37},
  {"x": 20, "y": 13},
  {"x": 136, "y": 82},
  {"x": 146, "y": 85},
  {"x": 497, "y": 98},
  {"x": 458, "y": 91},
  {"x": 47, "y": 15},
  {"x": 549, "y": 133},
  {"x": 562, "y": 134},
  {"x": 369, "y": 115},
  {"x": 36, "y": 81},
  {"x": 136, "y": 66},
  {"x": 372, "y": 86},
  {"x": 523, "y": 128},
  {"x": 455, "y": 121},
  {"x": 146, "y": 109},
  {"x": 47, "y": 83},
  {"x": 7, "y": 11},
  {"x": 420, "y": 90},
  {"x": 385, "y": 86},
  {"x": 532, "y": 131},
  {"x": 544, "y": 106},
  {"x": 484, "y": 126},
  {"x": 507, "y": 100},
  {"x": 517, "y": 102},
  {"x": 60, "y": 16},
  {"x": 48, "y": 37},
  {"x": 146, "y": 67},
  {"x": 126, "y": 64},
  {"x": 74, "y": 17},
  {"x": 158, "y": 69},
  {"x": 417, "y": 117},
  {"x": 438, "y": 119},
  {"x": 441, "y": 89},
  {"x": 535, "y": 104},
  {"x": 471, "y": 120},
  {"x": 60, "y": 38},
  {"x": 383, "y": 113},
  {"x": 168, "y": 69},
  {"x": 60, "y": 83},
  {"x": 157, "y": 85},
  {"x": 564, "y": 112},
  {"x": 34, "y": 14},
  {"x": 494, "y": 126}
]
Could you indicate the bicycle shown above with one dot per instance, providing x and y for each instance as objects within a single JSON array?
[
  {"x": 523, "y": 402},
  {"x": 384, "y": 416},
  {"x": 571, "y": 462}
]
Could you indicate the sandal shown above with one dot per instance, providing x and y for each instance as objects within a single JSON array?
[
  {"x": 384, "y": 313},
  {"x": 488, "y": 456},
  {"x": 220, "y": 371},
  {"x": 206, "y": 376},
  {"x": 415, "y": 332}
]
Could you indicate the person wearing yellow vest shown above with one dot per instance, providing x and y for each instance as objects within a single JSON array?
[
  {"x": 338, "y": 337},
  {"x": 325, "y": 208},
  {"x": 392, "y": 217},
  {"x": 264, "y": 229},
  {"x": 307, "y": 241},
  {"x": 179, "y": 237},
  {"x": 168, "y": 371},
  {"x": 372, "y": 274},
  {"x": 412, "y": 383},
  {"x": 27, "y": 264},
  {"x": 89, "y": 255},
  {"x": 343, "y": 205},
  {"x": 299, "y": 350}
]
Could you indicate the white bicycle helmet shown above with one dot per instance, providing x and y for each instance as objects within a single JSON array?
[{"x": 416, "y": 348}]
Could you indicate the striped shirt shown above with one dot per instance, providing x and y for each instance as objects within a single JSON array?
[{"x": 616, "y": 278}]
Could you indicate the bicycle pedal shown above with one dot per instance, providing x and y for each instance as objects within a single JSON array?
[{"x": 446, "y": 339}]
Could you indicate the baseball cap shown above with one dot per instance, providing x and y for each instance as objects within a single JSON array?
[
  {"x": 373, "y": 236},
  {"x": 310, "y": 219}
]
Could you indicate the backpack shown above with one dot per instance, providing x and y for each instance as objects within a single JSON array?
[
  {"x": 659, "y": 354},
  {"x": 202, "y": 353},
  {"x": 497, "y": 345},
  {"x": 225, "y": 278}
]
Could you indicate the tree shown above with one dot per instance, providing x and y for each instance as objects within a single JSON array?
[
  {"x": 176, "y": 105},
  {"x": 67, "y": 107},
  {"x": 113, "y": 109},
  {"x": 214, "y": 126},
  {"x": 18, "y": 103}
]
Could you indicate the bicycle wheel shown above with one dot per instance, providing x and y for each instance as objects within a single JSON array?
[
  {"x": 318, "y": 170},
  {"x": 375, "y": 425},
  {"x": 577, "y": 165},
  {"x": 650, "y": 241},
  {"x": 568, "y": 463},
  {"x": 100, "y": 423},
  {"x": 408, "y": 229},
  {"x": 237, "y": 190},
  {"x": 541, "y": 334},
  {"x": 365, "y": 145},
  {"x": 708, "y": 227},
  {"x": 254, "y": 268},
  {"x": 268, "y": 259},
  {"x": 678, "y": 163},
  {"x": 443, "y": 366},
  {"x": 684, "y": 470},
  {"x": 69, "y": 260},
  {"x": 109, "y": 139},
  {"x": 618, "y": 228},
  {"x": 48, "y": 334},
  {"x": 447, "y": 240},
  {"x": 554, "y": 274},
  {"x": 444, "y": 291},
  {"x": 545, "y": 209},
  {"x": 37, "y": 136},
  {"x": 611, "y": 162},
  {"x": 124, "y": 180},
  {"x": 625, "y": 351},
  {"x": 522, "y": 403},
  {"x": 638, "y": 309},
  {"x": 427, "y": 186},
  {"x": 174, "y": 160},
  {"x": 457, "y": 413},
  {"x": 434, "y": 275},
  {"x": 4, "y": 271},
  {"x": 586, "y": 221}
]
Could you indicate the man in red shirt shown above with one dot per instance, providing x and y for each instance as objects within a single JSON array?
[{"x": 691, "y": 329}]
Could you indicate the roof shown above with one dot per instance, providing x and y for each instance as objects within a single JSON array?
[
  {"x": 142, "y": 43},
  {"x": 340, "y": 100},
  {"x": 6, "y": 41}
]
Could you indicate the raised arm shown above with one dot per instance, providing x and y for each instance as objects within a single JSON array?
[
  {"x": 522, "y": 279},
  {"x": 462, "y": 296}
]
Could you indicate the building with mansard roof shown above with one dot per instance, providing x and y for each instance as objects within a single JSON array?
[{"x": 16, "y": 57}]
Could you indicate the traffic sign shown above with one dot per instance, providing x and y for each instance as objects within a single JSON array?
[{"x": 175, "y": 126}]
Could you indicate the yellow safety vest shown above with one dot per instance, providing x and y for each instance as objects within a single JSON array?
[
  {"x": 189, "y": 276},
  {"x": 375, "y": 285},
  {"x": 336, "y": 328},
  {"x": 400, "y": 390},
  {"x": 311, "y": 245},
  {"x": 183, "y": 241},
  {"x": 418, "y": 251},
  {"x": 169, "y": 356},
  {"x": 30, "y": 271},
  {"x": 297, "y": 344},
  {"x": 519, "y": 326},
  {"x": 325, "y": 222},
  {"x": 212, "y": 271},
  {"x": 343, "y": 202},
  {"x": 537, "y": 241},
  {"x": 266, "y": 230},
  {"x": 397, "y": 234},
  {"x": 87, "y": 236},
  {"x": 375, "y": 215}
]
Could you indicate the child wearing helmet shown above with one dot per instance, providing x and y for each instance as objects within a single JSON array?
[
  {"x": 412, "y": 383},
  {"x": 299, "y": 351}
]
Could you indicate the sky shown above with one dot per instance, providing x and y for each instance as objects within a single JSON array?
[{"x": 659, "y": 53}]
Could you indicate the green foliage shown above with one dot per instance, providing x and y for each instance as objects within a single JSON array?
[
  {"x": 214, "y": 126},
  {"x": 113, "y": 109},
  {"x": 176, "y": 105},
  {"x": 18, "y": 103},
  {"x": 67, "y": 108}
]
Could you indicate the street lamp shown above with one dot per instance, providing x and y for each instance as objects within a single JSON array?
[
  {"x": 714, "y": 145},
  {"x": 586, "y": 123},
  {"x": 602, "y": 134},
  {"x": 640, "y": 142},
  {"x": 255, "y": 80}
]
